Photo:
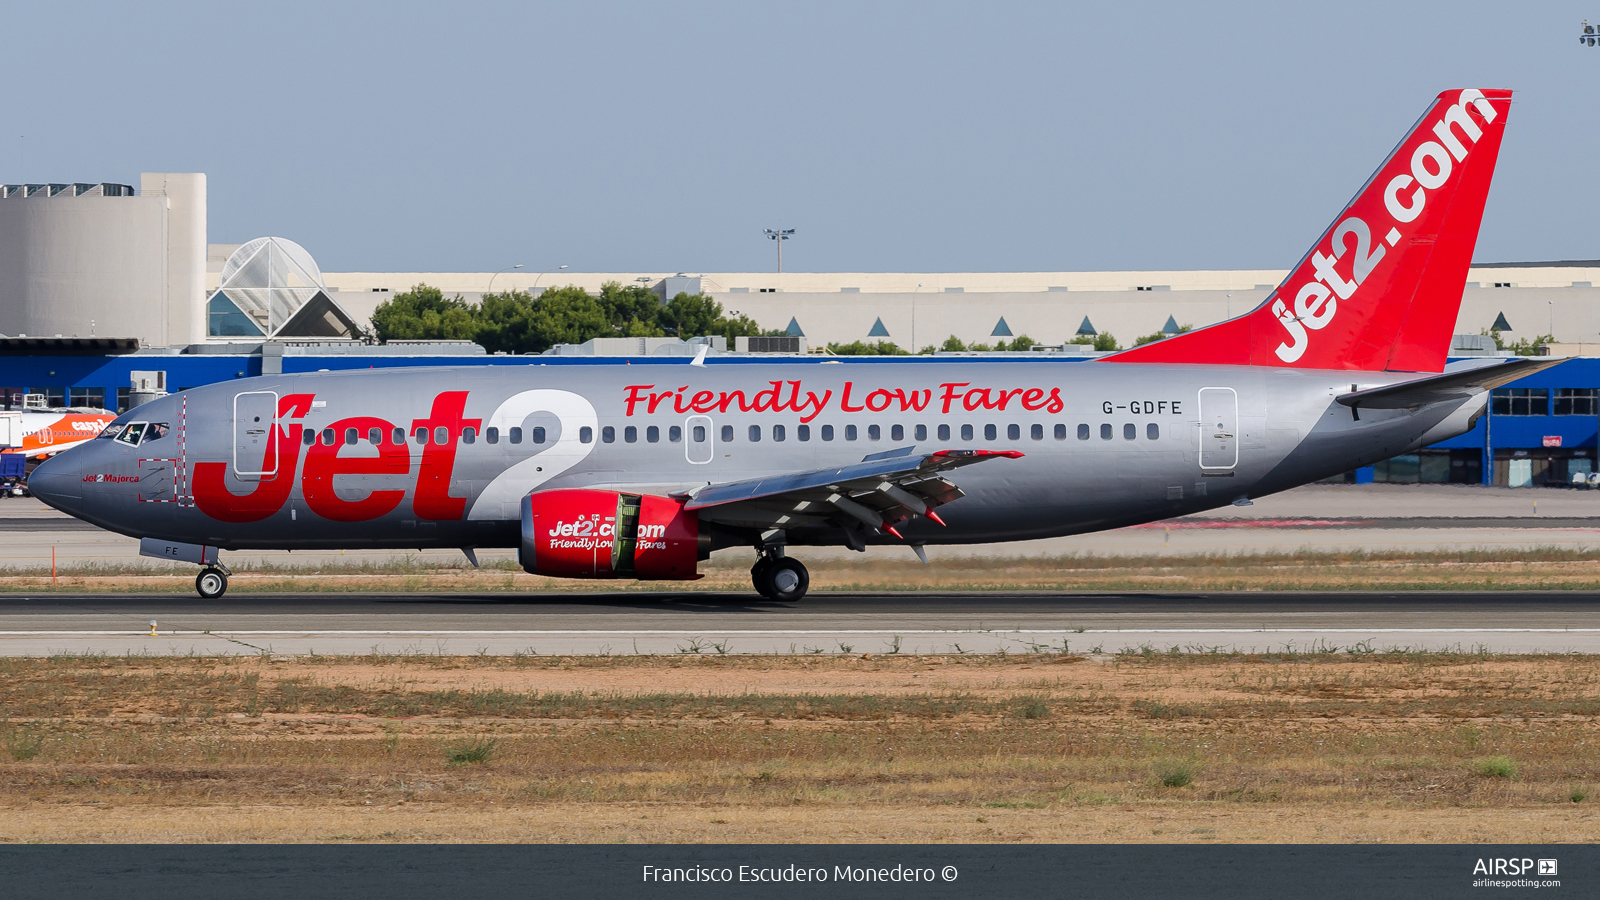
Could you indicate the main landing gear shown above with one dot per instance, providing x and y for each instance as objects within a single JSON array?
[
  {"x": 212, "y": 582},
  {"x": 777, "y": 577}
]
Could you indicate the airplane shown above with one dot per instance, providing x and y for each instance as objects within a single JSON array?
[
  {"x": 641, "y": 471},
  {"x": 37, "y": 430}
]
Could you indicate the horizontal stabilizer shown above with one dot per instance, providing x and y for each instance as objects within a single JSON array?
[{"x": 1450, "y": 386}]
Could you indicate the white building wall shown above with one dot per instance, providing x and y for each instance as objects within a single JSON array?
[
  {"x": 80, "y": 265},
  {"x": 185, "y": 193}
]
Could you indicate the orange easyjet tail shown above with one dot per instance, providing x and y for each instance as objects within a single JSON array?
[{"x": 1380, "y": 289}]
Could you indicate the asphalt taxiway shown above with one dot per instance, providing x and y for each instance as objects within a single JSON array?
[{"x": 710, "y": 623}]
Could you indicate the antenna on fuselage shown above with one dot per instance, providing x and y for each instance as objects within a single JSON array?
[{"x": 700, "y": 355}]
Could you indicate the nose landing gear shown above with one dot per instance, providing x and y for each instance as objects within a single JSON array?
[
  {"x": 780, "y": 578},
  {"x": 212, "y": 582}
]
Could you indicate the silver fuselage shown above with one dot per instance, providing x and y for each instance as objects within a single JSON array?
[{"x": 1161, "y": 441}]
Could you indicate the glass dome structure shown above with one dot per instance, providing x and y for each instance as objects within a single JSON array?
[{"x": 271, "y": 288}]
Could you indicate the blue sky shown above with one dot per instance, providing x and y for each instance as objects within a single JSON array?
[{"x": 920, "y": 136}]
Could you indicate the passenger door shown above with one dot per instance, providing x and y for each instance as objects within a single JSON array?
[
  {"x": 1219, "y": 428},
  {"x": 699, "y": 439},
  {"x": 255, "y": 427}
]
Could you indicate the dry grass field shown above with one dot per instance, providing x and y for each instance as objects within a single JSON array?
[
  {"x": 1316, "y": 747},
  {"x": 1504, "y": 569}
]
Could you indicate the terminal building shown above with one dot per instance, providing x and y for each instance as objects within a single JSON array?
[{"x": 103, "y": 285}]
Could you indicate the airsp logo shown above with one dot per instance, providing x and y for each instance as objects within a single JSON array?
[{"x": 1501, "y": 866}]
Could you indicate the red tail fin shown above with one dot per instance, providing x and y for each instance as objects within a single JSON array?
[{"x": 1381, "y": 287}]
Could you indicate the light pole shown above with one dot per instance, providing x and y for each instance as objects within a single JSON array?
[
  {"x": 543, "y": 274},
  {"x": 780, "y": 236},
  {"x": 498, "y": 274},
  {"x": 914, "y": 318}
]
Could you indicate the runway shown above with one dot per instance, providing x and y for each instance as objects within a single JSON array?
[{"x": 628, "y": 623}]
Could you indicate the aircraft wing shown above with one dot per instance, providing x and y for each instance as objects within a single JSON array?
[
  {"x": 1449, "y": 386},
  {"x": 879, "y": 492}
]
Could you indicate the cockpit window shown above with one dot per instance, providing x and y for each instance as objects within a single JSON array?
[
  {"x": 155, "y": 431},
  {"x": 131, "y": 433},
  {"x": 109, "y": 432}
]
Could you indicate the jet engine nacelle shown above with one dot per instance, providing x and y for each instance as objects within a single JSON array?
[{"x": 608, "y": 534}]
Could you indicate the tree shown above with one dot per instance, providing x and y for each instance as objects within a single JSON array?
[
  {"x": 632, "y": 310},
  {"x": 1104, "y": 341},
  {"x": 423, "y": 313},
  {"x": 862, "y": 348},
  {"x": 1522, "y": 346},
  {"x": 953, "y": 344},
  {"x": 1152, "y": 338}
]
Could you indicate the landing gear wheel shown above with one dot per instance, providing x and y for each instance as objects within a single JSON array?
[
  {"x": 211, "y": 583},
  {"x": 758, "y": 576},
  {"x": 787, "y": 580}
]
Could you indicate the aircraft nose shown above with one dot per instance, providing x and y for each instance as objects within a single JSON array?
[{"x": 57, "y": 481}]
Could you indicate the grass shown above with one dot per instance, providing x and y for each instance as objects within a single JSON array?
[
  {"x": 1541, "y": 568},
  {"x": 803, "y": 747},
  {"x": 1176, "y": 773},
  {"x": 1495, "y": 767},
  {"x": 22, "y": 744},
  {"x": 470, "y": 752}
]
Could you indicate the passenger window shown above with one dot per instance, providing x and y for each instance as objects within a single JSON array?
[
  {"x": 441, "y": 435},
  {"x": 538, "y": 435},
  {"x": 492, "y": 435},
  {"x": 399, "y": 437},
  {"x": 727, "y": 434},
  {"x": 922, "y": 432},
  {"x": 420, "y": 435},
  {"x": 374, "y": 436},
  {"x": 1036, "y": 432},
  {"x": 469, "y": 435},
  {"x": 803, "y": 432},
  {"x": 827, "y": 432},
  {"x": 653, "y": 434},
  {"x": 1061, "y": 432},
  {"x": 327, "y": 437},
  {"x": 1105, "y": 432},
  {"x": 699, "y": 434},
  {"x": 1083, "y": 431},
  {"x": 630, "y": 434},
  {"x": 777, "y": 433},
  {"x": 897, "y": 432},
  {"x": 755, "y": 434},
  {"x": 308, "y": 437},
  {"x": 514, "y": 435},
  {"x": 990, "y": 433},
  {"x": 350, "y": 437},
  {"x": 585, "y": 435},
  {"x": 1014, "y": 432},
  {"x": 849, "y": 432},
  {"x": 1130, "y": 431},
  {"x": 608, "y": 434},
  {"x": 944, "y": 432},
  {"x": 675, "y": 434},
  {"x": 966, "y": 432},
  {"x": 1153, "y": 431},
  {"x": 874, "y": 433}
]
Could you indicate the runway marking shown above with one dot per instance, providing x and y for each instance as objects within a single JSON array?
[{"x": 900, "y": 631}]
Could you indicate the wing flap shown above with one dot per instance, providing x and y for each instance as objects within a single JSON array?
[{"x": 878, "y": 493}]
